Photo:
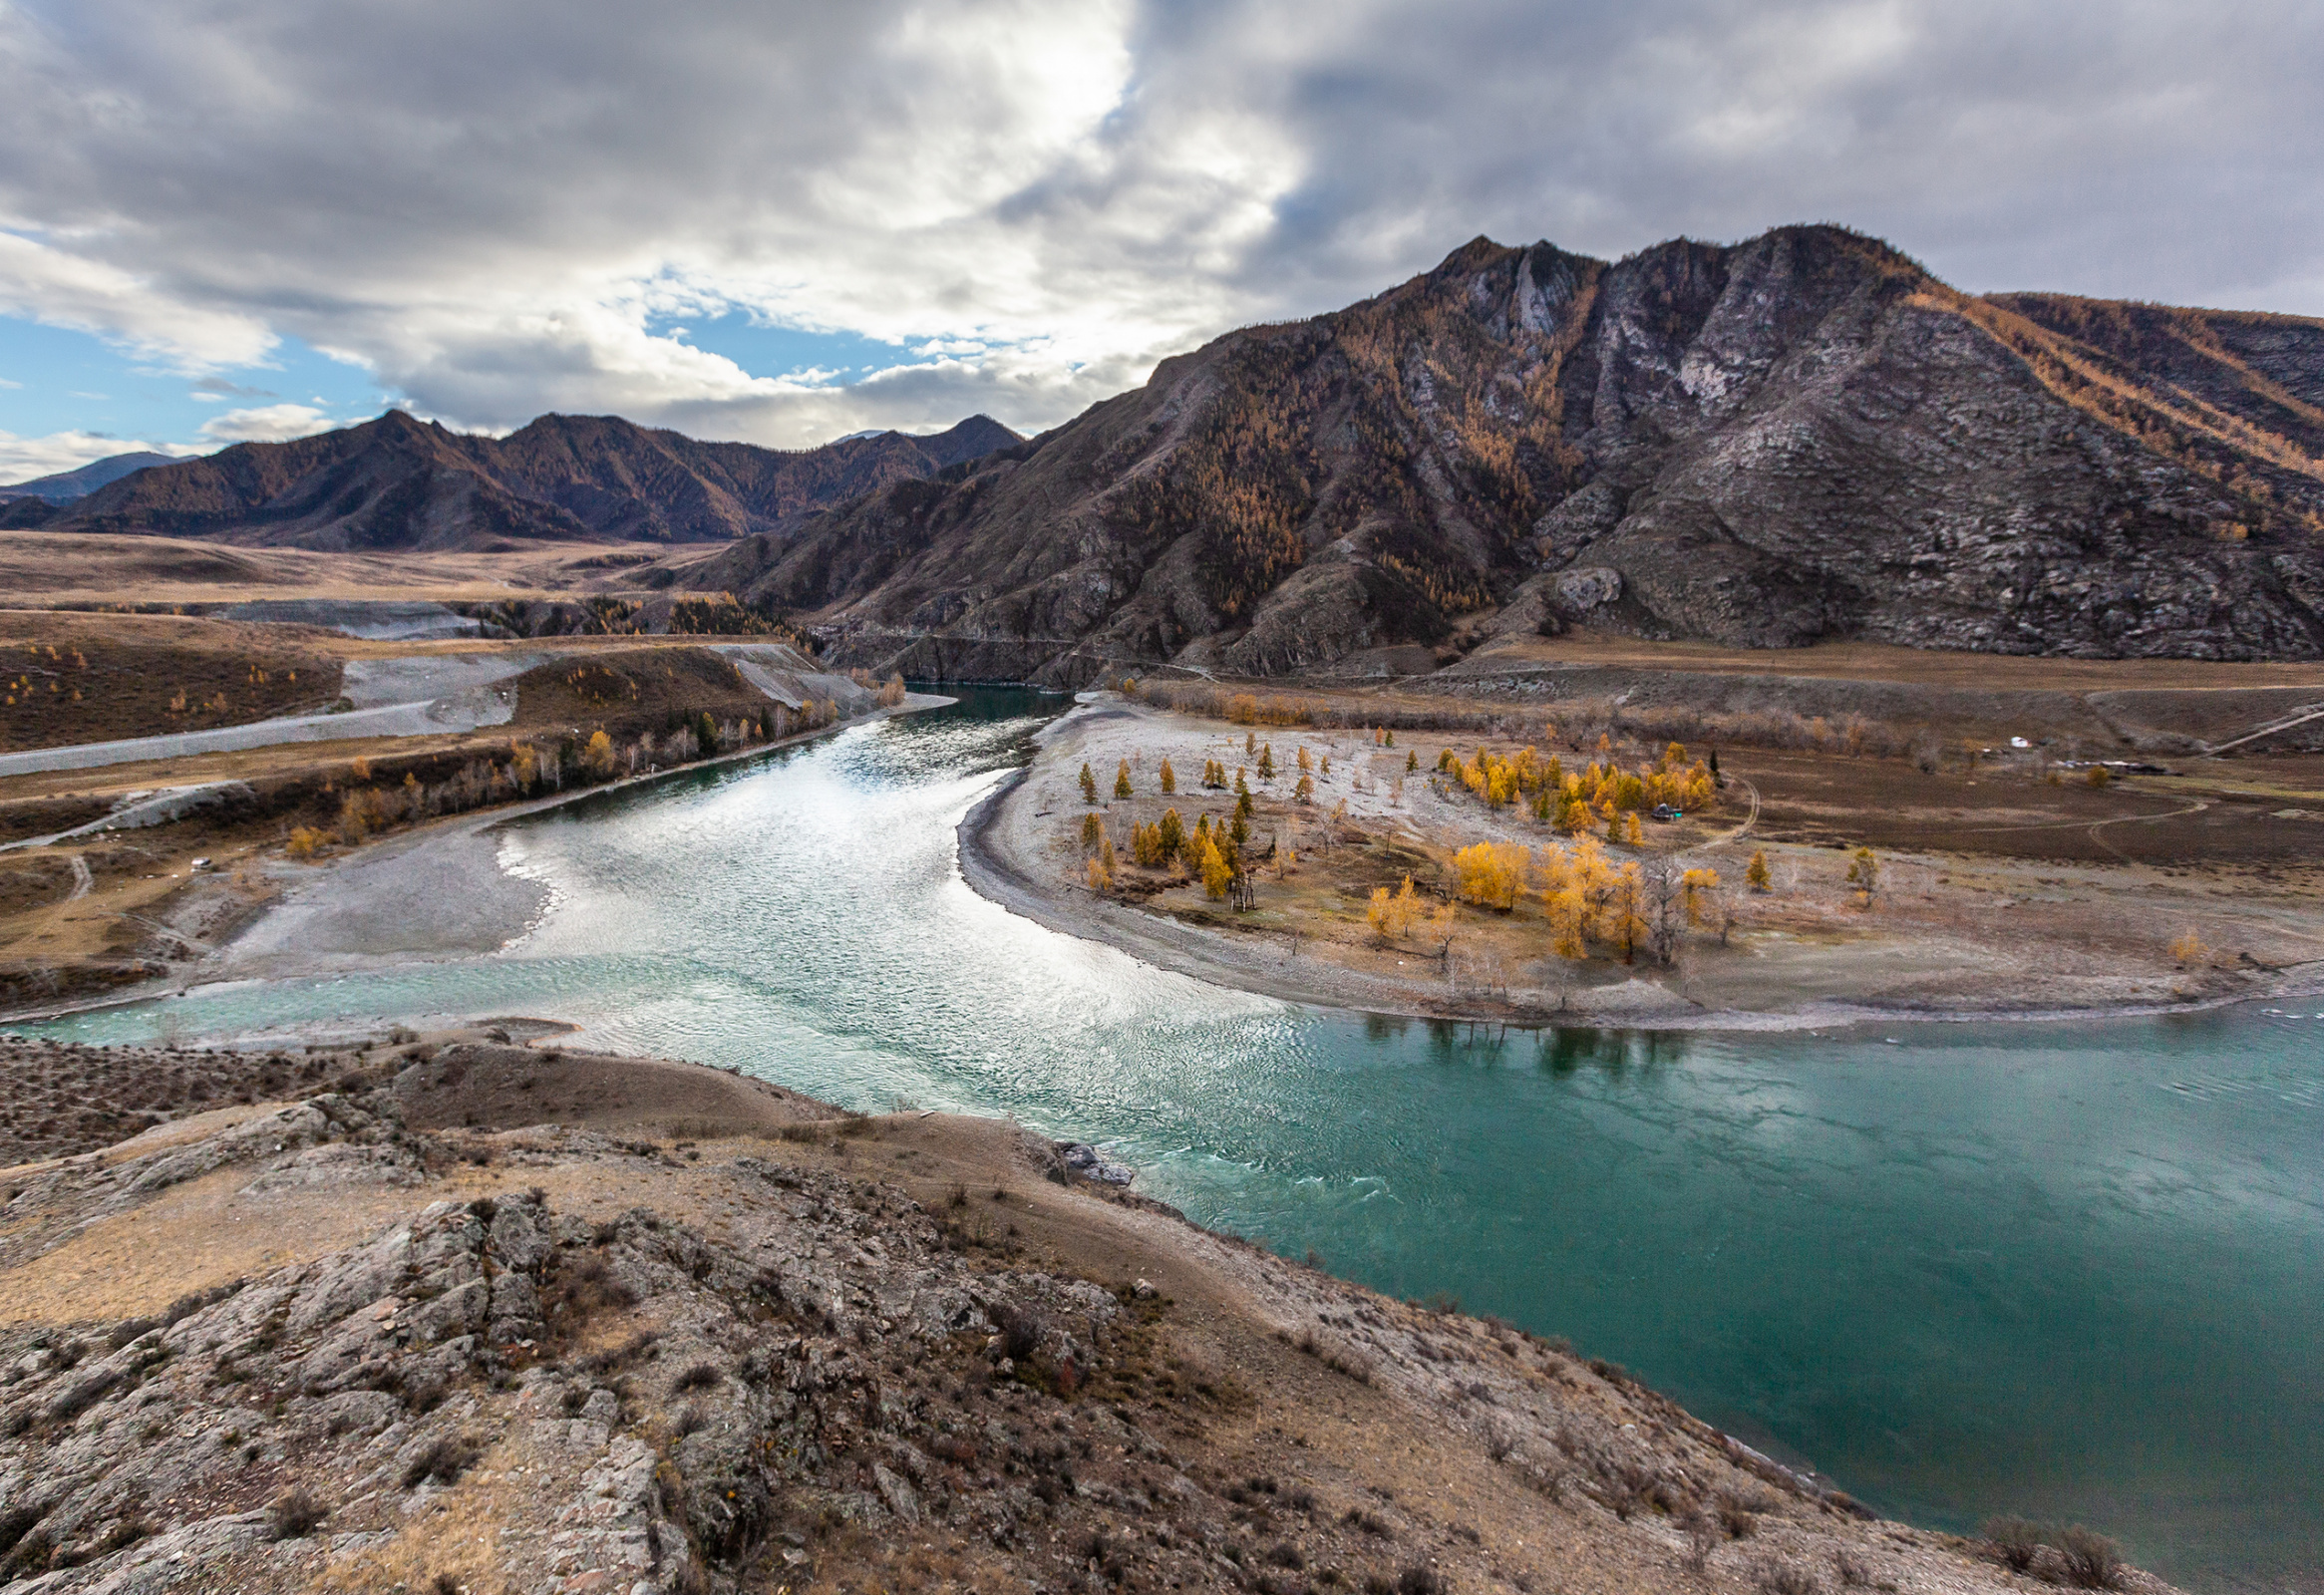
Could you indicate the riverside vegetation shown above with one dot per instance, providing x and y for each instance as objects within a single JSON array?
[{"x": 1509, "y": 862}]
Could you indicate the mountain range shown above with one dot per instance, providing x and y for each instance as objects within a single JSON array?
[
  {"x": 66, "y": 485},
  {"x": 1799, "y": 437},
  {"x": 397, "y": 483}
]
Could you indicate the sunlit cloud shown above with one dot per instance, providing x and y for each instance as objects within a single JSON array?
[{"x": 500, "y": 210}]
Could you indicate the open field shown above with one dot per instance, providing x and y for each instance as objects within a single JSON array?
[
  {"x": 460, "y": 1312},
  {"x": 68, "y": 570}
]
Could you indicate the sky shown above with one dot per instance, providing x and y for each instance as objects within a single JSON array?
[{"x": 782, "y": 223}]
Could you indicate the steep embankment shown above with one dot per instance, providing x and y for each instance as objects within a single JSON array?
[
  {"x": 511, "y": 1319},
  {"x": 397, "y": 483},
  {"x": 1799, "y": 437}
]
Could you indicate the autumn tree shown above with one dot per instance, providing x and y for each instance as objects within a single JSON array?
[
  {"x": 1171, "y": 834},
  {"x": 1863, "y": 873},
  {"x": 1756, "y": 875},
  {"x": 1411, "y": 761},
  {"x": 2188, "y": 949},
  {"x": 1169, "y": 779},
  {"x": 1306, "y": 758},
  {"x": 1089, "y": 785},
  {"x": 598, "y": 756},
  {"x": 1491, "y": 874},
  {"x": 1217, "y": 874},
  {"x": 1267, "y": 762},
  {"x": 1121, "y": 779},
  {"x": 1093, "y": 833},
  {"x": 1391, "y": 914},
  {"x": 1625, "y": 910}
]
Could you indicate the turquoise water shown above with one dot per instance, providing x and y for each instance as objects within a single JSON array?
[{"x": 2075, "y": 1272}]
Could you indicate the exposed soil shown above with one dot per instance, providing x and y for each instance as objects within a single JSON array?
[{"x": 332, "y": 1343}]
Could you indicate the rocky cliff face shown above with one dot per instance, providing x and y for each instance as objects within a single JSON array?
[
  {"x": 1802, "y": 437},
  {"x": 397, "y": 483}
]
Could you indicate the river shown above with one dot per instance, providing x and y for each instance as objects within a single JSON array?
[{"x": 2069, "y": 1271}]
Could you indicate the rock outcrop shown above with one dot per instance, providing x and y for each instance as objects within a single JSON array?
[{"x": 1802, "y": 437}]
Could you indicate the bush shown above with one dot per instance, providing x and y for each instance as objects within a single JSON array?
[
  {"x": 2092, "y": 1560},
  {"x": 1418, "y": 1580},
  {"x": 2015, "y": 1540},
  {"x": 443, "y": 1461},
  {"x": 1787, "y": 1578},
  {"x": 295, "y": 1515},
  {"x": 701, "y": 1375}
]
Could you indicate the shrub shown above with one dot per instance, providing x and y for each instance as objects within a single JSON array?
[
  {"x": 443, "y": 1461},
  {"x": 1418, "y": 1580},
  {"x": 1020, "y": 1332},
  {"x": 2092, "y": 1560},
  {"x": 1787, "y": 1578},
  {"x": 2015, "y": 1540},
  {"x": 295, "y": 1515},
  {"x": 701, "y": 1375}
]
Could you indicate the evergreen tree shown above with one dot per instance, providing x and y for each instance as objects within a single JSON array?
[
  {"x": 1267, "y": 762},
  {"x": 1411, "y": 761},
  {"x": 1089, "y": 787}
]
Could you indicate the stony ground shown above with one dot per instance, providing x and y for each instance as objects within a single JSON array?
[{"x": 458, "y": 1319}]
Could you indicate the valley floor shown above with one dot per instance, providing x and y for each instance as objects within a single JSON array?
[{"x": 2004, "y": 896}]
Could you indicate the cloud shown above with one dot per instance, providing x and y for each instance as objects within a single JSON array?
[
  {"x": 267, "y": 424},
  {"x": 28, "y": 459},
  {"x": 504, "y": 210}
]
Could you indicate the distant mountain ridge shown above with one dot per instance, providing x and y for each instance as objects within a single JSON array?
[
  {"x": 398, "y": 482},
  {"x": 1802, "y": 436},
  {"x": 66, "y": 485}
]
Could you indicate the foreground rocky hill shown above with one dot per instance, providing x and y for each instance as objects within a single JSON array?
[
  {"x": 486, "y": 1317},
  {"x": 1801, "y": 436},
  {"x": 397, "y": 483}
]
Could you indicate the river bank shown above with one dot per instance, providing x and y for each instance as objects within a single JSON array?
[
  {"x": 445, "y": 1293},
  {"x": 1954, "y": 936},
  {"x": 434, "y": 891}
]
